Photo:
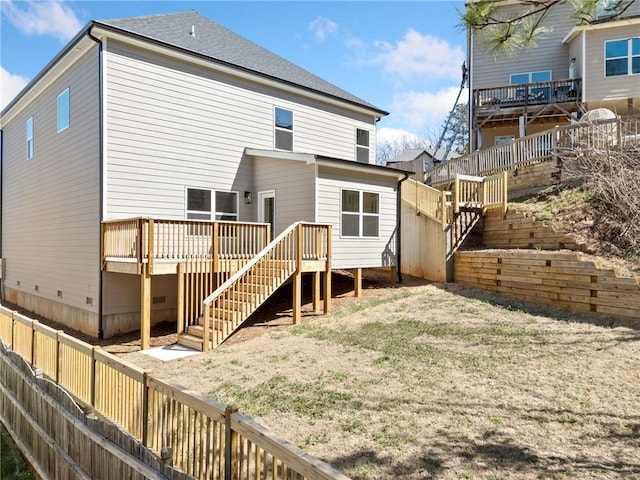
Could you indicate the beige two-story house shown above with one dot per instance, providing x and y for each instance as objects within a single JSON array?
[{"x": 571, "y": 69}]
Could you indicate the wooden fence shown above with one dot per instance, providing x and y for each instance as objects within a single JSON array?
[
  {"x": 63, "y": 441},
  {"x": 206, "y": 439},
  {"x": 537, "y": 148}
]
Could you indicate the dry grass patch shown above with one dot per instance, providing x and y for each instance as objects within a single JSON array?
[{"x": 441, "y": 382}]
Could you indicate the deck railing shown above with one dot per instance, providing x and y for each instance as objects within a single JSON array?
[
  {"x": 525, "y": 94},
  {"x": 537, "y": 148},
  {"x": 203, "y": 438},
  {"x": 147, "y": 240},
  {"x": 233, "y": 301}
]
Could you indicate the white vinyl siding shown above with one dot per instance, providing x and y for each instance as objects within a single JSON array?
[
  {"x": 358, "y": 252},
  {"x": 294, "y": 185},
  {"x": 171, "y": 125},
  {"x": 51, "y": 222}
]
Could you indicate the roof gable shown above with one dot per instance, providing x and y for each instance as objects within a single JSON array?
[{"x": 196, "y": 34}]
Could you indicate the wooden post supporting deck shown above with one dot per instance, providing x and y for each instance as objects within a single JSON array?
[
  {"x": 145, "y": 308},
  {"x": 327, "y": 273},
  {"x": 357, "y": 282},
  {"x": 297, "y": 278},
  {"x": 316, "y": 292},
  {"x": 180, "y": 305}
]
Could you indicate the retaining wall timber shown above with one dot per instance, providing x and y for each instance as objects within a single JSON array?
[
  {"x": 560, "y": 279},
  {"x": 519, "y": 230},
  {"x": 533, "y": 177}
]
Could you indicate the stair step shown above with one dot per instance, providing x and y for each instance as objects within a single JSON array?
[{"x": 191, "y": 341}]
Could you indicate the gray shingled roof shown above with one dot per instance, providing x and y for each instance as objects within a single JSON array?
[{"x": 221, "y": 44}]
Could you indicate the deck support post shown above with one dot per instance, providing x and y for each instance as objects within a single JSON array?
[
  {"x": 327, "y": 272},
  {"x": 394, "y": 273},
  {"x": 357, "y": 282},
  {"x": 316, "y": 292},
  {"x": 180, "y": 316},
  {"x": 145, "y": 308}
]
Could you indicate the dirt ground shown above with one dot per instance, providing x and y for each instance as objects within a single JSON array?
[{"x": 422, "y": 381}]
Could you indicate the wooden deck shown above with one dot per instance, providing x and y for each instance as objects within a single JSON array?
[{"x": 230, "y": 267}]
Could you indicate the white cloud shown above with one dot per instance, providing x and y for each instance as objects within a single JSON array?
[
  {"x": 415, "y": 56},
  {"x": 42, "y": 18},
  {"x": 10, "y": 86},
  {"x": 321, "y": 27},
  {"x": 390, "y": 135},
  {"x": 424, "y": 110}
]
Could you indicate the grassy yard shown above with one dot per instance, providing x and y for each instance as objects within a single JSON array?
[{"x": 435, "y": 381}]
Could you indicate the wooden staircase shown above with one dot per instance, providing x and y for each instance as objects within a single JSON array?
[{"x": 301, "y": 247}]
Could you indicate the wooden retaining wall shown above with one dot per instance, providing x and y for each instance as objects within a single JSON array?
[
  {"x": 563, "y": 280},
  {"x": 201, "y": 437},
  {"x": 527, "y": 177},
  {"x": 519, "y": 230}
]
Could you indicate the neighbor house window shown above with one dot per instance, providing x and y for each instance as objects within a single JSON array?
[
  {"x": 622, "y": 57},
  {"x": 283, "y": 129},
  {"x": 362, "y": 145},
  {"x": 63, "y": 110},
  {"x": 360, "y": 214},
  {"x": 30, "y": 137},
  {"x": 530, "y": 77},
  {"x": 198, "y": 204},
  {"x": 226, "y": 206}
]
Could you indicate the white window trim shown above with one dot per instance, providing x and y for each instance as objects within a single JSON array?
[
  {"x": 360, "y": 214},
  {"x": 214, "y": 212},
  {"x": 358, "y": 146},
  {"x": 292, "y": 131},
  {"x": 629, "y": 56},
  {"x": 66, "y": 90},
  {"x": 530, "y": 74},
  {"x": 29, "y": 139}
]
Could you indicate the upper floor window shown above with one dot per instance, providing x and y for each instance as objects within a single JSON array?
[
  {"x": 63, "y": 110},
  {"x": 360, "y": 214},
  {"x": 530, "y": 77},
  {"x": 362, "y": 145},
  {"x": 201, "y": 207},
  {"x": 622, "y": 57},
  {"x": 283, "y": 129},
  {"x": 30, "y": 137}
]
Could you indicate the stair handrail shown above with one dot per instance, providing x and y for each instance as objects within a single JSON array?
[{"x": 249, "y": 265}]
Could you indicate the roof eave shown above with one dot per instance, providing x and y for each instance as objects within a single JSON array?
[{"x": 239, "y": 69}]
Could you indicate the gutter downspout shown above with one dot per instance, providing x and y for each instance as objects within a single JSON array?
[
  {"x": 399, "y": 225},
  {"x": 100, "y": 176}
]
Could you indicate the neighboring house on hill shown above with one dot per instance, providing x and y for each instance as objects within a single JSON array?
[
  {"x": 175, "y": 117},
  {"x": 419, "y": 160},
  {"x": 571, "y": 69}
]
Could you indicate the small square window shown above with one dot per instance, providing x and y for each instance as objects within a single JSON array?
[
  {"x": 63, "y": 110},
  {"x": 360, "y": 214},
  {"x": 226, "y": 206},
  {"x": 198, "y": 204}
]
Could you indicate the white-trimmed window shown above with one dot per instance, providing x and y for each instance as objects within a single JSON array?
[
  {"x": 205, "y": 204},
  {"x": 362, "y": 145},
  {"x": 63, "y": 110},
  {"x": 359, "y": 214},
  {"x": 621, "y": 57},
  {"x": 283, "y": 129},
  {"x": 530, "y": 77},
  {"x": 30, "y": 137}
]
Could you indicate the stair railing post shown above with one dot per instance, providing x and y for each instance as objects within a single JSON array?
[
  {"x": 150, "y": 240},
  {"x": 505, "y": 191},
  {"x": 327, "y": 272},
  {"x": 297, "y": 278},
  {"x": 207, "y": 325},
  {"x": 456, "y": 194},
  {"x": 180, "y": 306},
  {"x": 231, "y": 445}
]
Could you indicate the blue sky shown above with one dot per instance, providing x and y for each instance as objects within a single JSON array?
[{"x": 403, "y": 57}]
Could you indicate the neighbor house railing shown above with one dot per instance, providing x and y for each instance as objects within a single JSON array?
[
  {"x": 525, "y": 94},
  {"x": 537, "y": 148},
  {"x": 147, "y": 240},
  {"x": 203, "y": 438},
  {"x": 480, "y": 192}
]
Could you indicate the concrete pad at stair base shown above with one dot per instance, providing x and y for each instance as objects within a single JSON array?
[{"x": 170, "y": 352}]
